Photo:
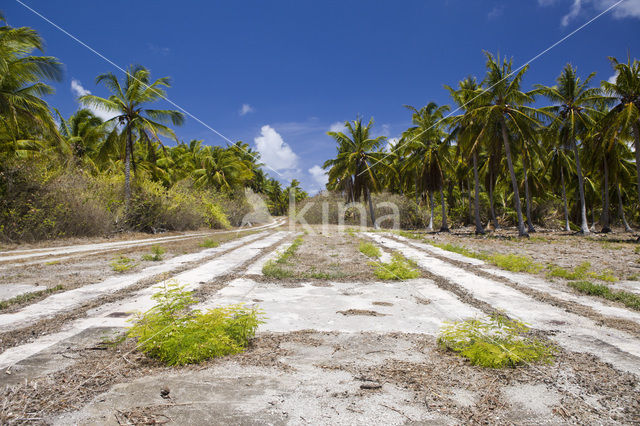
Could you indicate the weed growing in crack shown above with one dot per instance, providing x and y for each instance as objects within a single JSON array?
[
  {"x": 369, "y": 249},
  {"x": 580, "y": 272},
  {"x": 156, "y": 254},
  {"x": 275, "y": 269},
  {"x": 399, "y": 269},
  {"x": 495, "y": 342},
  {"x": 177, "y": 335},
  {"x": 122, "y": 264},
  {"x": 26, "y": 297},
  {"x": 630, "y": 300},
  {"x": 209, "y": 243}
]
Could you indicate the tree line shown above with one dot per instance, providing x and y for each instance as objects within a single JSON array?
[
  {"x": 132, "y": 141},
  {"x": 573, "y": 144}
]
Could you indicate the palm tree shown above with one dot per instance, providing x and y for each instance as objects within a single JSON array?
[
  {"x": 355, "y": 168},
  {"x": 84, "y": 134},
  {"x": 422, "y": 148},
  {"x": 469, "y": 135},
  {"x": 21, "y": 89},
  {"x": 574, "y": 114},
  {"x": 624, "y": 117},
  {"x": 129, "y": 101},
  {"x": 502, "y": 105},
  {"x": 221, "y": 168},
  {"x": 560, "y": 164}
]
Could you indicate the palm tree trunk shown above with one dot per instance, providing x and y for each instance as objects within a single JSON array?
[
  {"x": 627, "y": 228},
  {"x": 430, "y": 228},
  {"x": 492, "y": 210},
  {"x": 605, "y": 203},
  {"x": 636, "y": 133},
  {"x": 514, "y": 181},
  {"x": 444, "y": 227},
  {"x": 479, "y": 228},
  {"x": 564, "y": 201},
  {"x": 417, "y": 192},
  {"x": 127, "y": 170},
  {"x": 371, "y": 212},
  {"x": 527, "y": 196},
  {"x": 584, "y": 225}
]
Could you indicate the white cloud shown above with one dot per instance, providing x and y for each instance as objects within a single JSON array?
[
  {"x": 78, "y": 90},
  {"x": 338, "y": 126},
  {"x": 626, "y": 9},
  {"x": 319, "y": 175},
  {"x": 274, "y": 151},
  {"x": 391, "y": 142},
  {"x": 496, "y": 12},
  {"x": 245, "y": 109},
  {"x": 385, "y": 130},
  {"x": 613, "y": 78}
]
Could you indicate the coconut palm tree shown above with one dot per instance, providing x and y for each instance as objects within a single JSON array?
[
  {"x": 356, "y": 168},
  {"x": 25, "y": 118},
  {"x": 469, "y": 135},
  {"x": 422, "y": 147},
  {"x": 624, "y": 117},
  {"x": 129, "y": 100},
  {"x": 503, "y": 105},
  {"x": 221, "y": 169},
  {"x": 573, "y": 111}
]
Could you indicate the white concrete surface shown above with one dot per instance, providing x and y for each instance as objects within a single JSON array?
[
  {"x": 9, "y": 291},
  {"x": 71, "y": 299},
  {"x": 573, "y": 332},
  {"x": 314, "y": 307},
  {"x": 51, "y": 251},
  {"x": 141, "y": 300}
]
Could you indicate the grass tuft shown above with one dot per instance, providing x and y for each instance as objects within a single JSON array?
[
  {"x": 496, "y": 342},
  {"x": 514, "y": 263},
  {"x": 209, "y": 243},
  {"x": 274, "y": 268},
  {"x": 369, "y": 249},
  {"x": 580, "y": 272},
  {"x": 630, "y": 300},
  {"x": 178, "y": 335},
  {"x": 156, "y": 254},
  {"x": 399, "y": 269},
  {"x": 122, "y": 264}
]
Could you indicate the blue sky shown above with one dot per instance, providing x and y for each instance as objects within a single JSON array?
[{"x": 279, "y": 74}]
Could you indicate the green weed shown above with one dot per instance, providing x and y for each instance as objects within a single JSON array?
[
  {"x": 209, "y": 243},
  {"x": 272, "y": 269},
  {"x": 407, "y": 234},
  {"x": 290, "y": 251},
  {"x": 178, "y": 335},
  {"x": 369, "y": 249},
  {"x": 496, "y": 342},
  {"x": 53, "y": 262},
  {"x": 122, "y": 264},
  {"x": 580, "y": 272},
  {"x": 400, "y": 268},
  {"x": 630, "y": 300},
  {"x": 156, "y": 254},
  {"x": 514, "y": 263}
]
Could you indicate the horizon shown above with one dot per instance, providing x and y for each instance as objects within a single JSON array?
[{"x": 281, "y": 76}]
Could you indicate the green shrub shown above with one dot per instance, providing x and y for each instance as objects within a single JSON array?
[
  {"x": 514, "y": 263},
  {"x": 209, "y": 243},
  {"x": 399, "y": 269},
  {"x": 495, "y": 342},
  {"x": 369, "y": 249},
  {"x": 178, "y": 335},
  {"x": 122, "y": 264},
  {"x": 580, "y": 272},
  {"x": 630, "y": 300},
  {"x": 156, "y": 254}
]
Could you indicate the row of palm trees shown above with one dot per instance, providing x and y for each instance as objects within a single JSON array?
[
  {"x": 132, "y": 140},
  {"x": 500, "y": 132}
]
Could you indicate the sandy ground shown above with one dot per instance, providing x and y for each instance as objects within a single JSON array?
[{"x": 343, "y": 349}]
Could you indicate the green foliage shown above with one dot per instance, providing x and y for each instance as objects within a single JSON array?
[
  {"x": 26, "y": 297},
  {"x": 410, "y": 235},
  {"x": 122, "y": 264},
  {"x": 290, "y": 251},
  {"x": 580, "y": 272},
  {"x": 514, "y": 263},
  {"x": 209, "y": 243},
  {"x": 272, "y": 269},
  {"x": 156, "y": 254},
  {"x": 630, "y": 300},
  {"x": 457, "y": 249},
  {"x": 178, "y": 335},
  {"x": 399, "y": 269},
  {"x": 369, "y": 249},
  {"x": 495, "y": 342}
]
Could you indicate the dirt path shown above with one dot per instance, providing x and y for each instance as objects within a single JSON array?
[{"x": 332, "y": 351}]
